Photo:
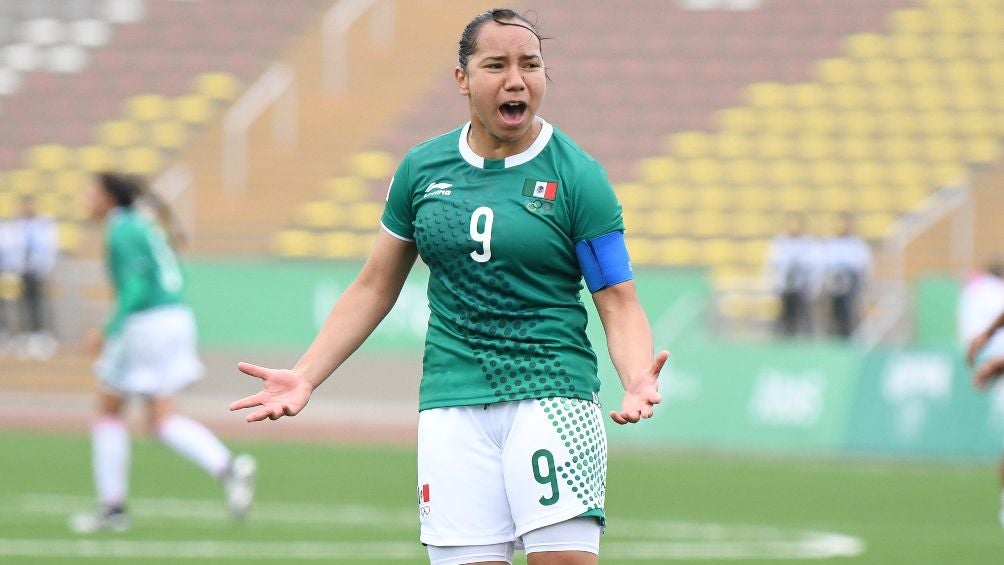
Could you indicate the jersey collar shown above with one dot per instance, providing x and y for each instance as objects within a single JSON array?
[{"x": 513, "y": 160}]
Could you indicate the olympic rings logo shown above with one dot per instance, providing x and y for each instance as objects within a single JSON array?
[{"x": 538, "y": 205}]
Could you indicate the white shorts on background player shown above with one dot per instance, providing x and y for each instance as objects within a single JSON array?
[
  {"x": 487, "y": 474},
  {"x": 155, "y": 354}
]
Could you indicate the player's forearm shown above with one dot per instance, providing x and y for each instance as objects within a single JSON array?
[
  {"x": 353, "y": 318},
  {"x": 996, "y": 325},
  {"x": 629, "y": 337}
]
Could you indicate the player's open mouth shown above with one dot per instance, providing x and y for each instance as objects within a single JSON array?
[{"x": 512, "y": 112}]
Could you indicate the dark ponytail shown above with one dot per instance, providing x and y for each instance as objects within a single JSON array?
[{"x": 128, "y": 190}]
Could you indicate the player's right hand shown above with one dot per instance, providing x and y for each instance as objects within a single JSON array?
[
  {"x": 284, "y": 393},
  {"x": 975, "y": 346}
]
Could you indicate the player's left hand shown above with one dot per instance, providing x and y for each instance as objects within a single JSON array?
[
  {"x": 988, "y": 372},
  {"x": 642, "y": 394}
]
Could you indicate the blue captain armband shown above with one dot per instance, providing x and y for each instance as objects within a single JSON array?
[{"x": 604, "y": 261}]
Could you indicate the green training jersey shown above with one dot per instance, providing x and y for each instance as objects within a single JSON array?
[
  {"x": 499, "y": 236},
  {"x": 143, "y": 268}
]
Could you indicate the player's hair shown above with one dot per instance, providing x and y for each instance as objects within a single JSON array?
[
  {"x": 128, "y": 190},
  {"x": 501, "y": 16}
]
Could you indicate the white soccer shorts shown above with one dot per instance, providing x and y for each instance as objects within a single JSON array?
[
  {"x": 488, "y": 474},
  {"x": 154, "y": 355}
]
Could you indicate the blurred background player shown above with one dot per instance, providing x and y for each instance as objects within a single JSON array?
[
  {"x": 847, "y": 264},
  {"x": 509, "y": 215},
  {"x": 148, "y": 349},
  {"x": 981, "y": 319},
  {"x": 34, "y": 246},
  {"x": 793, "y": 271}
]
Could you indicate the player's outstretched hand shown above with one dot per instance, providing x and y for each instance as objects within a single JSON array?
[
  {"x": 988, "y": 373},
  {"x": 283, "y": 393},
  {"x": 642, "y": 394},
  {"x": 975, "y": 346}
]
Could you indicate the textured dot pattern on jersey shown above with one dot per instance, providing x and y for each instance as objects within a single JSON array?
[{"x": 580, "y": 428}]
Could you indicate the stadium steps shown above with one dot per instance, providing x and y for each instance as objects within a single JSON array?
[{"x": 331, "y": 129}]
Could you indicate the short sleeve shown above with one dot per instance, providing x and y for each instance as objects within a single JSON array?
[
  {"x": 399, "y": 213},
  {"x": 594, "y": 208}
]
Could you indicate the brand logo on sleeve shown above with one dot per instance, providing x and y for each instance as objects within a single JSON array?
[{"x": 438, "y": 189}]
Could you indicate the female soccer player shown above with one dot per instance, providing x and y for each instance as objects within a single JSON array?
[
  {"x": 147, "y": 349},
  {"x": 509, "y": 215}
]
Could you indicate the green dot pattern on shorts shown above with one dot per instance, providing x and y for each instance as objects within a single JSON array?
[
  {"x": 584, "y": 475},
  {"x": 495, "y": 322}
]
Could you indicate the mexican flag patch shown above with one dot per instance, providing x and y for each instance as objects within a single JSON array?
[{"x": 540, "y": 189}]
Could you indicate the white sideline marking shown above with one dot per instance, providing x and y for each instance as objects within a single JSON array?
[{"x": 627, "y": 539}]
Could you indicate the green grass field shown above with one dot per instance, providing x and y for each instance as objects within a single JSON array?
[{"x": 353, "y": 504}]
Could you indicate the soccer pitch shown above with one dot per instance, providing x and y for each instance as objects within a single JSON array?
[{"x": 355, "y": 504}]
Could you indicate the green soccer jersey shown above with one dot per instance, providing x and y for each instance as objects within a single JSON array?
[
  {"x": 143, "y": 268},
  {"x": 499, "y": 238}
]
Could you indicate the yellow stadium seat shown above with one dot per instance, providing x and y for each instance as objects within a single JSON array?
[
  {"x": 880, "y": 71},
  {"x": 910, "y": 196},
  {"x": 118, "y": 133},
  {"x": 754, "y": 251},
  {"x": 907, "y": 173},
  {"x": 815, "y": 147},
  {"x": 341, "y": 245},
  {"x": 891, "y": 97},
  {"x": 655, "y": 170},
  {"x": 875, "y": 226},
  {"x": 677, "y": 251},
  {"x": 147, "y": 107},
  {"x": 70, "y": 236},
  {"x": 867, "y": 173},
  {"x": 70, "y": 181},
  {"x": 774, "y": 146},
  {"x": 95, "y": 158},
  {"x": 373, "y": 165},
  {"x": 897, "y": 122},
  {"x": 964, "y": 72},
  {"x": 929, "y": 97},
  {"x": 709, "y": 223},
  {"x": 74, "y": 207},
  {"x": 675, "y": 197},
  {"x": 193, "y": 109},
  {"x": 839, "y": 70},
  {"x": 849, "y": 96},
  {"x": 780, "y": 121},
  {"x": 951, "y": 21},
  {"x": 818, "y": 121},
  {"x": 168, "y": 135},
  {"x": 794, "y": 198},
  {"x": 983, "y": 149},
  {"x": 936, "y": 123},
  {"x": 50, "y": 204},
  {"x": 873, "y": 199},
  {"x": 859, "y": 123},
  {"x": 142, "y": 161},
  {"x": 809, "y": 95},
  {"x": 895, "y": 148},
  {"x": 345, "y": 189},
  {"x": 747, "y": 224},
  {"x": 971, "y": 98},
  {"x": 690, "y": 144},
  {"x": 743, "y": 171},
  {"x": 753, "y": 198},
  {"x": 8, "y": 205},
  {"x": 25, "y": 181},
  {"x": 739, "y": 120},
  {"x": 719, "y": 251},
  {"x": 217, "y": 86},
  {"x": 366, "y": 215},
  {"x": 641, "y": 250},
  {"x": 857, "y": 147},
  {"x": 865, "y": 45},
  {"x": 713, "y": 197},
  {"x": 703, "y": 171},
  {"x": 989, "y": 47},
  {"x": 322, "y": 214},
  {"x": 50, "y": 157},
  {"x": 632, "y": 195},
  {"x": 834, "y": 198},
  {"x": 767, "y": 95},
  {"x": 942, "y": 148},
  {"x": 295, "y": 243},
  {"x": 785, "y": 171},
  {"x": 993, "y": 72},
  {"x": 732, "y": 145},
  {"x": 826, "y": 172},
  {"x": 946, "y": 173},
  {"x": 906, "y": 46},
  {"x": 663, "y": 223},
  {"x": 636, "y": 220},
  {"x": 912, "y": 21},
  {"x": 921, "y": 71},
  {"x": 948, "y": 47}
]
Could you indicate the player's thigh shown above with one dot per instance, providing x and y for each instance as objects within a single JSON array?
[
  {"x": 461, "y": 489},
  {"x": 572, "y": 542},
  {"x": 555, "y": 462},
  {"x": 494, "y": 554}
]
